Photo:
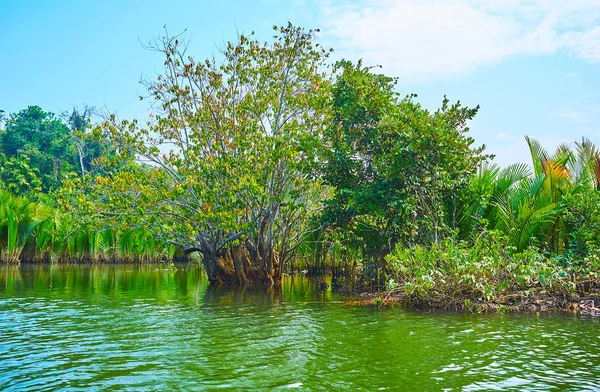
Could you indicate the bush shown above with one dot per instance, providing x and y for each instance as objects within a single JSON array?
[
  {"x": 582, "y": 218},
  {"x": 487, "y": 270}
]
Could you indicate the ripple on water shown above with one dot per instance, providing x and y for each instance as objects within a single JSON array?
[{"x": 157, "y": 329}]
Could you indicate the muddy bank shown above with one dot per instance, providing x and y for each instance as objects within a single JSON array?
[{"x": 582, "y": 303}]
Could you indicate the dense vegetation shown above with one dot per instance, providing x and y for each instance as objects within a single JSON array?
[
  {"x": 40, "y": 154},
  {"x": 271, "y": 159}
]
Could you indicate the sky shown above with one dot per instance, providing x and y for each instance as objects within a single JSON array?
[{"x": 532, "y": 65}]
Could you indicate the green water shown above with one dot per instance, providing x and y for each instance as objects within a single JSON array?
[{"x": 149, "y": 328}]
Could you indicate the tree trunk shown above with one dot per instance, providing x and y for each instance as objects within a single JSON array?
[
  {"x": 242, "y": 265},
  {"x": 209, "y": 261}
]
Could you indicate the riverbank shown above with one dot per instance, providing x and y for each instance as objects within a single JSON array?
[
  {"x": 565, "y": 290},
  {"x": 490, "y": 275},
  {"x": 577, "y": 303}
]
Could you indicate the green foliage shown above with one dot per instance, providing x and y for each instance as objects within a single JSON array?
[
  {"x": 533, "y": 208},
  {"x": 93, "y": 148},
  {"x": 398, "y": 170},
  {"x": 526, "y": 212},
  {"x": 43, "y": 142},
  {"x": 38, "y": 151},
  {"x": 581, "y": 212},
  {"x": 488, "y": 270},
  {"x": 19, "y": 218},
  {"x": 240, "y": 138},
  {"x": 36, "y": 128},
  {"x": 35, "y": 231},
  {"x": 547, "y": 234},
  {"x": 477, "y": 206},
  {"x": 266, "y": 154},
  {"x": 18, "y": 176}
]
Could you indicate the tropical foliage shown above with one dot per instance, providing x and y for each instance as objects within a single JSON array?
[
  {"x": 269, "y": 159},
  {"x": 398, "y": 170},
  {"x": 231, "y": 153},
  {"x": 488, "y": 271},
  {"x": 36, "y": 231}
]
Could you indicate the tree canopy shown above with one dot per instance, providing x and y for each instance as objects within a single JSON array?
[
  {"x": 38, "y": 150},
  {"x": 231, "y": 152},
  {"x": 43, "y": 142},
  {"x": 398, "y": 170}
]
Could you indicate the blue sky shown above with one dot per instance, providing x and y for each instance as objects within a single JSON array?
[{"x": 532, "y": 65}]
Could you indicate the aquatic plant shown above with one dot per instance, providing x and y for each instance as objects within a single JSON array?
[{"x": 19, "y": 218}]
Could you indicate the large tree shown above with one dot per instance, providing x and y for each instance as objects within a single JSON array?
[
  {"x": 398, "y": 169},
  {"x": 230, "y": 151}
]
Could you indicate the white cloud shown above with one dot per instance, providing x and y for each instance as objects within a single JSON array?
[{"x": 428, "y": 39}]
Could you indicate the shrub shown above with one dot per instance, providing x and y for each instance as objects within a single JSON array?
[{"x": 487, "y": 270}]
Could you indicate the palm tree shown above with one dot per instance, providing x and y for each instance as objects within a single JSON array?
[
  {"x": 19, "y": 217},
  {"x": 585, "y": 167},
  {"x": 527, "y": 205},
  {"x": 489, "y": 184}
]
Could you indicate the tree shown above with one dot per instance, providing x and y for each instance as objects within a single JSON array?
[
  {"x": 488, "y": 187},
  {"x": 18, "y": 176},
  {"x": 90, "y": 147},
  {"x": 44, "y": 139},
  {"x": 231, "y": 152},
  {"x": 553, "y": 207},
  {"x": 396, "y": 168}
]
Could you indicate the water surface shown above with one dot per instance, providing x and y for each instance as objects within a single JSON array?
[{"x": 137, "y": 328}]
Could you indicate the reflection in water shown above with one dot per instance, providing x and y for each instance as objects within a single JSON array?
[
  {"x": 234, "y": 295},
  {"x": 149, "y": 327},
  {"x": 156, "y": 281}
]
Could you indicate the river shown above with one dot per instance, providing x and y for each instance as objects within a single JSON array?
[{"x": 147, "y": 327}]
